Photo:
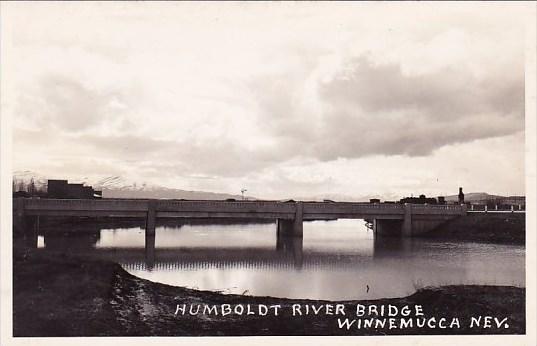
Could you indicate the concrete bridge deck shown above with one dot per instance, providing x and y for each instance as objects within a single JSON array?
[{"x": 387, "y": 218}]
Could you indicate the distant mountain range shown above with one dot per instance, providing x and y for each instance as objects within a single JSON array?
[
  {"x": 119, "y": 187},
  {"x": 474, "y": 197}
]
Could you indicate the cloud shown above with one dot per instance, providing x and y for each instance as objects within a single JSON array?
[
  {"x": 262, "y": 97},
  {"x": 218, "y": 157},
  {"x": 376, "y": 109},
  {"x": 443, "y": 95},
  {"x": 61, "y": 103},
  {"x": 365, "y": 109}
]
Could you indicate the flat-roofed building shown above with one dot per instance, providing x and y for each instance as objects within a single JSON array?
[{"x": 62, "y": 189}]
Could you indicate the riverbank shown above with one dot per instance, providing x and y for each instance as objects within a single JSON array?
[
  {"x": 501, "y": 228},
  {"x": 60, "y": 295}
]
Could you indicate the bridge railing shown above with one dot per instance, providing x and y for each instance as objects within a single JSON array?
[
  {"x": 85, "y": 204},
  {"x": 226, "y": 206},
  {"x": 352, "y": 208},
  {"x": 437, "y": 209},
  {"x": 267, "y": 207},
  {"x": 482, "y": 208}
]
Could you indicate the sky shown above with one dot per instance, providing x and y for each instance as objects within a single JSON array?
[{"x": 281, "y": 99}]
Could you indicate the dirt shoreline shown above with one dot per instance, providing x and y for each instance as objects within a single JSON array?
[{"x": 59, "y": 295}]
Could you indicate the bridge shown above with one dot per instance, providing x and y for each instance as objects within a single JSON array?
[{"x": 405, "y": 220}]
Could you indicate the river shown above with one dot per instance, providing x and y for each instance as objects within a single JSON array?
[{"x": 336, "y": 260}]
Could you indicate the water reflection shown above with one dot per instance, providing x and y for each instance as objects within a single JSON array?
[{"x": 335, "y": 259}]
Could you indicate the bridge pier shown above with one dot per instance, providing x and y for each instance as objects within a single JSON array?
[
  {"x": 151, "y": 218},
  {"x": 285, "y": 228},
  {"x": 406, "y": 231},
  {"x": 387, "y": 227},
  {"x": 298, "y": 221},
  {"x": 294, "y": 227},
  {"x": 290, "y": 235},
  {"x": 406, "y": 228},
  {"x": 413, "y": 222}
]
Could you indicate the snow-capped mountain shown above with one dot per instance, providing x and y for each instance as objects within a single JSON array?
[
  {"x": 120, "y": 183},
  {"x": 26, "y": 177},
  {"x": 120, "y": 187}
]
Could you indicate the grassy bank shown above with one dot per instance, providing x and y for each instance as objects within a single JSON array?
[
  {"x": 55, "y": 295},
  {"x": 493, "y": 228}
]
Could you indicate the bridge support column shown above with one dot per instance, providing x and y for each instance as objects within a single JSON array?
[
  {"x": 378, "y": 226},
  {"x": 150, "y": 221},
  {"x": 406, "y": 230},
  {"x": 285, "y": 228},
  {"x": 387, "y": 227},
  {"x": 294, "y": 227},
  {"x": 290, "y": 235},
  {"x": 297, "y": 223}
]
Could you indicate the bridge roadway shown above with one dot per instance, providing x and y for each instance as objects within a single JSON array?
[{"x": 387, "y": 218}]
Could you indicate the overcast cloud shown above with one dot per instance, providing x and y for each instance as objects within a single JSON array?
[{"x": 285, "y": 99}]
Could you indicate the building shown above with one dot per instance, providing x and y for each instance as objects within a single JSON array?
[
  {"x": 57, "y": 188},
  {"x": 422, "y": 199},
  {"x": 62, "y": 189}
]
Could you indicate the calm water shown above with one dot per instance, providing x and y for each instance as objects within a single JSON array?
[{"x": 337, "y": 260}]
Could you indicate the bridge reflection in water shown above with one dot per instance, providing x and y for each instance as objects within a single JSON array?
[
  {"x": 135, "y": 249},
  {"x": 277, "y": 253},
  {"x": 251, "y": 257}
]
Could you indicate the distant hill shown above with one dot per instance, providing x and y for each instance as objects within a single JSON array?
[{"x": 474, "y": 197}]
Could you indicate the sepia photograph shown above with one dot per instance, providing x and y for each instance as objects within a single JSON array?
[{"x": 276, "y": 170}]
